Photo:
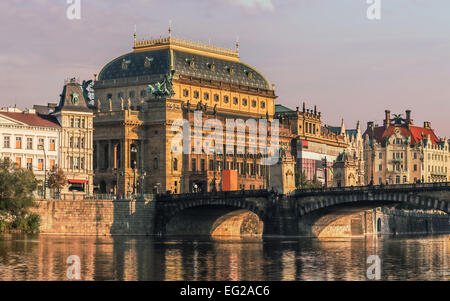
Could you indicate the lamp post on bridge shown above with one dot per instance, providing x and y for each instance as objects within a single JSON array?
[{"x": 45, "y": 171}]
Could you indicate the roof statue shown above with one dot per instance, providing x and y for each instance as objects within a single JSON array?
[
  {"x": 164, "y": 88},
  {"x": 87, "y": 90},
  {"x": 128, "y": 103},
  {"x": 98, "y": 105},
  {"x": 121, "y": 103},
  {"x": 110, "y": 105},
  {"x": 398, "y": 118}
]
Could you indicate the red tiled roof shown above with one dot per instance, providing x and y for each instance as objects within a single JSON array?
[
  {"x": 31, "y": 119},
  {"x": 416, "y": 133}
]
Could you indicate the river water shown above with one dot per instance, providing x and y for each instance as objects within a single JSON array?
[{"x": 41, "y": 257}]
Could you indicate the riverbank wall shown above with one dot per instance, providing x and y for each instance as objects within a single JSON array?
[{"x": 96, "y": 217}]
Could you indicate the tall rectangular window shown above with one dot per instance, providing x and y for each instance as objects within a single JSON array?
[
  {"x": 6, "y": 142},
  {"x": 18, "y": 162},
  {"x": 193, "y": 164},
  {"x": 18, "y": 142},
  {"x": 29, "y": 143},
  {"x": 30, "y": 163},
  {"x": 40, "y": 164},
  {"x": 76, "y": 164},
  {"x": 52, "y": 144},
  {"x": 52, "y": 164},
  {"x": 202, "y": 164}
]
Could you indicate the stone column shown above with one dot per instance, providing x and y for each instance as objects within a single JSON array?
[{"x": 98, "y": 155}]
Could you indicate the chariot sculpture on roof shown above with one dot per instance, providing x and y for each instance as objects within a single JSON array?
[{"x": 164, "y": 88}]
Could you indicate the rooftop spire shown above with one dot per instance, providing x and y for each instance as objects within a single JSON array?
[
  {"x": 134, "y": 35},
  {"x": 237, "y": 44},
  {"x": 170, "y": 28}
]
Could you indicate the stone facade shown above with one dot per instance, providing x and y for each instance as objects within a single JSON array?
[
  {"x": 400, "y": 152},
  {"x": 96, "y": 217},
  {"x": 313, "y": 144},
  {"x": 134, "y": 120},
  {"x": 76, "y": 137}
]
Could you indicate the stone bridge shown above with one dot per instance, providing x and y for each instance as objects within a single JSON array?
[{"x": 284, "y": 214}]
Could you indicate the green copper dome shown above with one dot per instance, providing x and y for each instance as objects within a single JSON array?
[{"x": 159, "y": 61}]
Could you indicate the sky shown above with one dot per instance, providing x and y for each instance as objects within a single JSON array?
[{"x": 324, "y": 52}]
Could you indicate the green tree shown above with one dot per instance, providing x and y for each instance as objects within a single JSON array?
[
  {"x": 16, "y": 188},
  {"x": 57, "y": 179}
]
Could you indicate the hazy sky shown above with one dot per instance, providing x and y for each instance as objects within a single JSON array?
[{"x": 324, "y": 52}]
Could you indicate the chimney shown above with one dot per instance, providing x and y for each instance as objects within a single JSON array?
[
  {"x": 427, "y": 125},
  {"x": 408, "y": 117},
  {"x": 387, "y": 120}
]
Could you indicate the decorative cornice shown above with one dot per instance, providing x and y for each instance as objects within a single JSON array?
[{"x": 185, "y": 43}]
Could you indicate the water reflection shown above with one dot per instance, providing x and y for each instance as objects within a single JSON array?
[{"x": 42, "y": 257}]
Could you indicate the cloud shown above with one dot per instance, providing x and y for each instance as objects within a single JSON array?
[{"x": 262, "y": 5}]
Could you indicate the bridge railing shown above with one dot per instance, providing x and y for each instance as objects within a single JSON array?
[
  {"x": 218, "y": 194},
  {"x": 416, "y": 187}
]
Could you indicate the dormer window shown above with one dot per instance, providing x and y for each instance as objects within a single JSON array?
[
  {"x": 211, "y": 67},
  {"x": 191, "y": 62},
  {"x": 230, "y": 70},
  {"x": 125, "y": 64},
  {"x": 148, "y": 62},
  {"x": 249, "y": 74},
  {"x": 75, "y": 99}
]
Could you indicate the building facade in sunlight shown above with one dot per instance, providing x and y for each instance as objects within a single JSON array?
[
  {"x": 53, "y": 135},
  {"x": 139, "y": 95},
  {"x": 400, "y": 152}
]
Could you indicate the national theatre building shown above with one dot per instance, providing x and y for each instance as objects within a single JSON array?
[{"x": 139, "y": 95}]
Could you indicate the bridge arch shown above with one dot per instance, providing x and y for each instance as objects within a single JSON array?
[
  {"x": 377, "y": 198},
  {"x": 219, "y": 207}
]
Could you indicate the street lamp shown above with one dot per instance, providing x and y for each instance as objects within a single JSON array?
[
  {"x": 118, "y": 173},
  {"x": 325, "y": 170},
  {"x": 143, "y": 174},
  {"x": 45, "y": 171},
  {"x": 134, "y": 150}
]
